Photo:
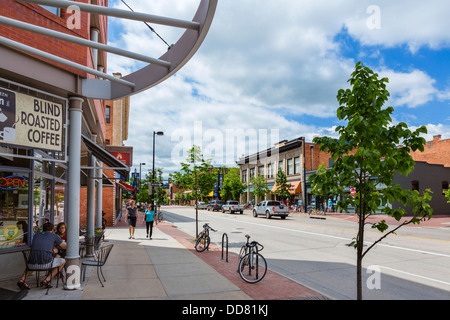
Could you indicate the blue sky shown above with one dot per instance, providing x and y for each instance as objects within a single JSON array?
[{"x": 273, "y": 67}]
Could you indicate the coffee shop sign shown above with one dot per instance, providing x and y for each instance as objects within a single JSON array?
[{"x": 29, "y": 121}]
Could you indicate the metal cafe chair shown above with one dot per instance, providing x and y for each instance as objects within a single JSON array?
[
  {"x": 37, "y": 261},
  {"x": 95, "y": 244},
  {"x": 99, "y": 261}
]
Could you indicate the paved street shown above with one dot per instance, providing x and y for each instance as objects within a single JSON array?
[{"x": 314, "y": 252}]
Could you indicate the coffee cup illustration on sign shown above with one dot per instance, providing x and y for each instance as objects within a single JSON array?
[{"x": 7, "y": 115}]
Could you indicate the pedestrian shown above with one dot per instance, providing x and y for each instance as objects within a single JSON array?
[
  {"x": 132, "y": 216},
  {"x": 330, "y": 204},
  {"x": 149, "y": 217}
]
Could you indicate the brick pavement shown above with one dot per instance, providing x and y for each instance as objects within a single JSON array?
[{"x": 272, "y": 287}]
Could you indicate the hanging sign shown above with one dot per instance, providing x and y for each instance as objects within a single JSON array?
[{"x": 29, "y": 121}]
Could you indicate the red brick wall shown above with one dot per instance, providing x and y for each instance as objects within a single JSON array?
[
  {"x": 436, "y": 151},
  {"x": 34, "y": 14}
]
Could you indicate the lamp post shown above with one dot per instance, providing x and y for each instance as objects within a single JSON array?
[
  {"x": 140, "y": 175},
  {"x": 159, "y": 133}
]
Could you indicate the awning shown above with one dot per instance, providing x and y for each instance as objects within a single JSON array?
[
  {"x": 126, "y": 187},
  {"x": 106, "y": 157},
  {"x": 296, "y": 187}
]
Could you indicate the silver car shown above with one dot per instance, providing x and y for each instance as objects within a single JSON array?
[{"x": 202, "y": 205}]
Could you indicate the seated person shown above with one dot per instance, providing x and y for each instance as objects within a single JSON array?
[
  {"x": 61, "y": 230},
  {"x": 45, "y": 241}
]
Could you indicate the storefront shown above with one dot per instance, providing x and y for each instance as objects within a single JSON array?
[
  {"x": 50, "y": 76},
  {"x": 33, "y": 164}
]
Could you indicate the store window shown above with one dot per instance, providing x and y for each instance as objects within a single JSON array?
[
  {"x": 14, "y": 231},
  {"x": 297, "y": 165},
  {"x": 270, "y": 171},
  {"x": 289, "y": 167},
  {"x": 261, "y": 171}
]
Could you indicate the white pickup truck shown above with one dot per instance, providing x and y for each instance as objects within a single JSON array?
[
  {"x": 271, "y": 208},
  {"x": 233, "y": 206}
]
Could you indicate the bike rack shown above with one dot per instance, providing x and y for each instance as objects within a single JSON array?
[{"x": 223, "y": 236}]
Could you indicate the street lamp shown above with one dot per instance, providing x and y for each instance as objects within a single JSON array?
[
  {"x": 159, "y": 133},
  {"x": 140, "y": 175}
]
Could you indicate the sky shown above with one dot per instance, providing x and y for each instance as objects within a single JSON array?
[{"x": 270, "y": 70}]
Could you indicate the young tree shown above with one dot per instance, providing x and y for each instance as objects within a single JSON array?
[
  {"x": 259, "y": 186},
  {"x": 197, "y": 176},
  {"x": 368, "y": 146},
  {"x": 232, "y": 186},
  {"x": 282, "y": 184}
]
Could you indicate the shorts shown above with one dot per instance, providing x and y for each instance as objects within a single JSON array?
[
  {"x": 132, "y": 221},
  {"x": 56, "y": 263}
]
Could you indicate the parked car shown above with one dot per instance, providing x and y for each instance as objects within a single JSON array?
[
  {"x": 271, "y": 208},
  {"x": 233, "y": 206},
  {"x": 215, "y": 205},
  {"x": 202, "y": 205}
]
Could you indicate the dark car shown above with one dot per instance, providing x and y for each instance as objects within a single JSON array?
[{"x": 215, "y": 205}]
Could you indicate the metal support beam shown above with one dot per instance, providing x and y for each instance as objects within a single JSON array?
[
  {"x": 51, "y": 57},
  {"x": 113, "y": 12},
  {"x": 73, "y": 194},
  {"x": 81, "y": 41}
]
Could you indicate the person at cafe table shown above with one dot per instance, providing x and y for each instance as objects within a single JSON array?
[{"x": 46, "y": 240}]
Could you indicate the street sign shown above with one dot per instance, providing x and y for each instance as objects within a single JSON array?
[
  {"x": 157, "y": 184},
  {"x": 353, "y": 192}
]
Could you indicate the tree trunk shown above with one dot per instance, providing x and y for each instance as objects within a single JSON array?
[{"x": 359, "y": 250}]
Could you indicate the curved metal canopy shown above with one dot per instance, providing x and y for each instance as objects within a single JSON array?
[{"x": 159, "y": 69}]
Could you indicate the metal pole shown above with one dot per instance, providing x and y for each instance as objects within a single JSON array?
[
  {"x": 153, "y": 175},
  {"x": 73, "y": 199},
  {"x": 90, "y": 216},
  {"x": 99, "y": 221}
]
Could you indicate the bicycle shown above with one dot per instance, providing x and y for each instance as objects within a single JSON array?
[
  {"x": 252, "y": 265},
  {"x": 203, "y": 239},
  {"x": 159, "y": 216}
]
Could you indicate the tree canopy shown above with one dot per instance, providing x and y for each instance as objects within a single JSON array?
[{"x": 367, "y": 156}]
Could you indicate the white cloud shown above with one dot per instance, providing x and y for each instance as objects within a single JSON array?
[
  {"x": 411, "y": 89},
  {"x": 414, "y": 23},
  {"x": 268, "y": 64}
]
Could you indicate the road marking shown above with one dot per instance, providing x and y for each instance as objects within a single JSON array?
[
  {"x": 343, "y": 238},
  {"x": 416, "y": 275}
]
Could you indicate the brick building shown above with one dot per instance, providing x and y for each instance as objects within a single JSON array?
[
  {"x": 436, "y": 151},
  {"x": 53, "y": 88}
]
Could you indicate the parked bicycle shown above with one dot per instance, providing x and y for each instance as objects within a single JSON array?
[
  {"x": 252, "y": 266},
  {"x": 159, "y": 216},
  {"x": 203, "y": 239}
]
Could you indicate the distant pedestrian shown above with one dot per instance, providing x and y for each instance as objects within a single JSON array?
[
  {"x": 149, "y": 217},
  {"x": 132, "y": 216},
  {"x": 330, "y": 204}
]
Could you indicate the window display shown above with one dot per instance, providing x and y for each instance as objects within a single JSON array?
[{"x": 13, "y": 209}]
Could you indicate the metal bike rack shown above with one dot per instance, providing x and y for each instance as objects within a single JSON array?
[{"x": 225, "y": 236}]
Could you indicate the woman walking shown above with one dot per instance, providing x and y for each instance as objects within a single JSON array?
[
  {"x": 149, "y": 217},
  {"x": 132, "y": 216}
]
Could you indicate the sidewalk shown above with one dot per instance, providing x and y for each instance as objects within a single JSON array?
[{"x": 168, "y": 268}]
